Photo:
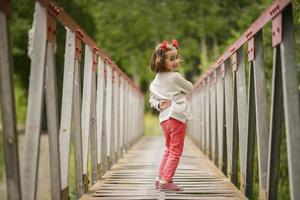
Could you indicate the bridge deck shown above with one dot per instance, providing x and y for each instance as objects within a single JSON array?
[{"x": 133, "y": 176}]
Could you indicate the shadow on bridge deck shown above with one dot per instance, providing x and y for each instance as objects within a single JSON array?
[{"x": 133, "y": 176}]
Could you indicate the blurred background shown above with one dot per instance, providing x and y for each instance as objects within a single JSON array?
[{"x": 128, "y": 30}]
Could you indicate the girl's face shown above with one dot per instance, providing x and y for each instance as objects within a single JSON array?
[{"x": 172, "y": 60}]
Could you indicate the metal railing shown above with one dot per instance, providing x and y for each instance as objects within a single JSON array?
[
  {"x": 229, "y": 118},
  {"x": 99, "y": 108}
]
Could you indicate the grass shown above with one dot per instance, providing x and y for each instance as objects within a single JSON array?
[{"x": 152, "y": 126}]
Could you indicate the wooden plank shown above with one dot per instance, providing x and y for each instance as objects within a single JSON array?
[
  {"x": 126, "y": 117},
  {"x": 142, "y": 114},
  {"x": 100, "y": 108},
  {"x": 134, "y": 174},
  {"x": 81, "y": 186},
  {"x": 199, "y": 131},
  {"x": 116, "y": 114},
  {"x": 109, "y": 115},
  {"x": 261, "y": 106},
  {"x": 122, "y": 108},
  {"x": 229, "y": 117},
  {"x": 93, "y": 130},
  {"x": 113, "y": 115},
  {"x": 291, "y": 101},
  {"x": 66, "y": 109},
  {"x": 8, "y": 114},
  {"x": 275, "y": 124},
  {"x": 190, "y": 130},
  {"x": 214, "y": 138},
  {"x": 242, "y": 113},
  {"x": 141, "y": 110},
  {"x": 134, "y": 105},
  {"x": 235, "y": 135},
  {"x": 131, "y": 116},
  {"x": 251, "y": 127},
  {"x": 52, "y": 121},
  {"x": 35, "y": 103},
  {"x": 86, "y": 106},
  {"x": 104, "y": 132},
  {"x": 221, "y": 121},
  {"x": 134, "y": 116},
  {"x": 191, "y": 124},
  {"x": 207, "y": 122},
  {"x": 203, "y": 119},
  {"x": 128, "y": 131}
]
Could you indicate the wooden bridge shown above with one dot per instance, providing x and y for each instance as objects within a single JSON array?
[
  {"x": 100, "y": 107},
  {"x": 133, "y": 176}
]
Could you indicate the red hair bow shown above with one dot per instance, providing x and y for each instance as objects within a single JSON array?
[
  {"x": 164, "y": 45},
  {"x": 175, "y": 43}
]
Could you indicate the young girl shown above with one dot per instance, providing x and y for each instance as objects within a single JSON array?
[{"x": 168, "y": 95}]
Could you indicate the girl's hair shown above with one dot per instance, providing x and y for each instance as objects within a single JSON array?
[{"x": 157, "y": 61}]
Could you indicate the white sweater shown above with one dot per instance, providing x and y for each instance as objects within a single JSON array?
[{"x": 172, "y": 86}]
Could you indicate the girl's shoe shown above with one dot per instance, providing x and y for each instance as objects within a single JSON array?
[{"x": 169, "y": 187}]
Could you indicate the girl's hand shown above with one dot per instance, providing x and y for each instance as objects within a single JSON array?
[{"x": 165, "y": 104}]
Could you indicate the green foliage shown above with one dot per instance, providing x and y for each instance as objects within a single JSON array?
[
  {"x": 151, "y": 125},
  {"x": 20, "y": 99},
  {"x": 20, "y": 22},
  {"x": 296, "y": 12},
  {"x": 129, "y": 30}
]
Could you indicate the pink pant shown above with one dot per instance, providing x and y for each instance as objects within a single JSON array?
[{"x": 174, "y": 134}]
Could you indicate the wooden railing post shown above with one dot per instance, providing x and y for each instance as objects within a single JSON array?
[
  {"x": 251, "y": 124},
  {"x": 122, "y": 114},
  {"x": 231, "y": 166},
  {"x": 8, "y": 109},
  {"x": 109, "y": 100},
  {"x": 221, "y": 121},
  {"x": 275, "y": 123},
  {"x": 101, "y": 140},
  {"x": 35, "y": 103},
  {"x": 52, "y": 107},
  {"x": 116, "y": 114},
  {"x": 262, "y": 122},
  {"x": 207, "y": 118},
  {"x": 242, "y": 114},
  {"x": 213, "y": 117},
  {"x": 86, "y": 110},
  {"x": 70, "y": 111},
  {"x": 93, "y": 122},
  {"x": 291, "y": 101}
]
